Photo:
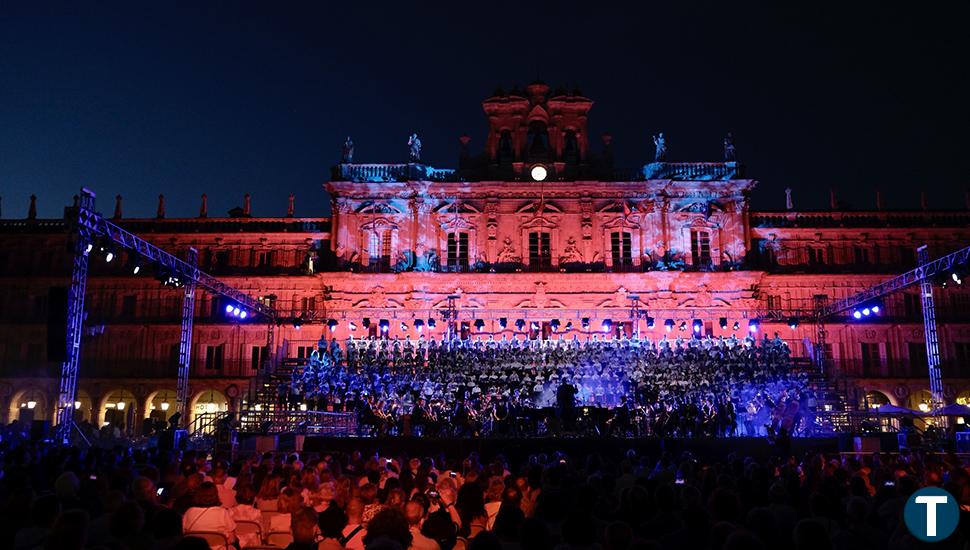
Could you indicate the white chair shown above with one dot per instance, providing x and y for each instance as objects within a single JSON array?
[{"x": 246, "y": 527}]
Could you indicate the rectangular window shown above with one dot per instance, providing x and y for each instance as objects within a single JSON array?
[
  {"x": 861, "y": 255},
  {"x": 700, "y": 248},
  {"x": 917, "y": 358},
  {"x": 816, "y": 256},
  {"x": 774, "y": 302},
  {"x": 912, "y": 306},
  {"x": 257, "y": 357},
  {"x": 303, "y": 352},
  {"x": 222, "y": 258},
  {"x": 263, "y": 259},
  {"x": 540, "y": 254},
  {"x": 457, "y": 251},
  {"x": 870, "y": 359},
  {"x": 214, "y": 356},
  {"x": 308, "y": 304},
  {"x": 128, "y": 306},
  {"x": 620, "y": 246}
]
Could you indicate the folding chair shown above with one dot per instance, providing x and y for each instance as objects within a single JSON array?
[
  {"x": 214, "y": 539},
  {"x": 245, "y": 527},
  {"x": 279, "y": 538}
]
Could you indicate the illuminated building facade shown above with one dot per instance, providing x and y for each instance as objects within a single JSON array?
[{"x": 537, "y": 226}]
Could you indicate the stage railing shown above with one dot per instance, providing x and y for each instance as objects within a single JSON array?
[{"x": 301, "y": 422}]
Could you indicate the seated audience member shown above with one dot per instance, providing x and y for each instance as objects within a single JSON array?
[
  {"x": 388, "y": 529},
  {"x": 303, "y": 525},
  {"x": 227, "y": 496},
  {"x": 355, "y": 530},
  {"x": 269, "y": 494},
  {"x": 207, "y": 514},
  {"x": 332, "y": 522},
  {"x": 289, "y": 502},
  {"x": 244, "y": 510},
  {"x": 415, "y": 513}
]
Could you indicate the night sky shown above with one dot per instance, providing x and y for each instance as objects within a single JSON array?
[{"x": 181, "y": 98}]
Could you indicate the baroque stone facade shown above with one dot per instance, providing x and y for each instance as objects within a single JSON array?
[{"x": 677, "y": 240}]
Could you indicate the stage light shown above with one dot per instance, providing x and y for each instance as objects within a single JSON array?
[
  {"x": 384, "y": 324},
  {"x": 857, "y": 314},
  {"x": 569, "y": 325},
  {"x": 229, "y": 308},
  {"x": 669, "y": 325},
  {"x": 753, "y": 326},
  {"x": 650, "y": 322},
  {"x": 866, "y": 311},
  {"x": 352, "y": 326},
  {"x": 736, "y": 326},
  {"x": 243, "y": 314},
  {"x": 534, "y": 325},
  {"x": 683, "y": 326},
  {"x": 332, "y": 325},
  {"x": 136, "y": 269},
  {"x": 519, "y": 324},
  {"x": 108, "y": 256},
  {"x": 404, "y": 326},
  {"x": 538, "y": 172},
  {"x": 236, "y": 311},
  {"x": 479, "y": 324},
  {"x": 366, "y": 322},
  {"x": 875, "y": 308},
  {"x": 88, "y": 248},
  {"x": 431, "y": 323},
  {"x": 697, "y": 325},
  {"x": 554, "y": 324},
  {"x": 793, "y": 323},
  {"x": 585, "y": 321},
  {"x": 419, "y": 325},
  {"x": 607, "y": 325},
  {"x": 503, "y": 322},
  {"x": 722, "y": 322}
]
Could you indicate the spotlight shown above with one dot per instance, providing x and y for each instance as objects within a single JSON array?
[
  {"x": 366, "y": 322},
  {"x": 722, "y": 322},
  {"x": 875, "y": 308},
  {"x": 243, "y": 314},
  {"x": 352, "y": 326},
  {"x": 866, "y": 311},
  {"x": 534, "y": 325},
  {"x": 88, "y": 248},
  {"x": 697, "y": 326},
  {"x": 297, "y": 324},
  {"x": 793, "y": 323},
  {"x": 384, "y": 324},
  {"x": 519, "y": 324},
  {"x": 479, "y": 324},
  {"x": 332, "y": 324},
  {"x": 229, "y": 308},
  {"x": 431, "y": 323},
  {"x": 419, "y": 325},
  {"x": 554, "y": 324},
  {"x": 585, "y": 323},
  {"x": 503, "y": 322},
  {"x": 650, "y": 322},
  {"x": 607, "y": 325},
  {"x": 236, "y": 311},
  {"x": 569, "y": 325},
  {"x": 736, "y": 326},
  {"x": 108, "y": 256},
  {"x": 857, "y": 314},
  {"x": 669, "y": 325},
  {"x": 133, "y": 265},
  {"x": 683, "y": 326},
  {"x": 404, "y": 326},
  {"x": 753, "y": 326}
]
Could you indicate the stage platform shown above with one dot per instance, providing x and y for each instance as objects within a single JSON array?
[{"x": 520, "y": 449}]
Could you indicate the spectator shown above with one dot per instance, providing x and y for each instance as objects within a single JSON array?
[
  {"x": 207, "y": 514},
  {"x": 332, "y": 522},
  {"x": 415, "y": 513},
  {"x": 303, "y": 525}
]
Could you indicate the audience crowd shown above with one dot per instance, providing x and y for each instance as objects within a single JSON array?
[
  {"x": 635, "y": 387},
  {"x": 57, "y": 498}
]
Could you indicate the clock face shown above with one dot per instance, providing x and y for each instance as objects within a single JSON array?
[{"x": 538, "y": 172}]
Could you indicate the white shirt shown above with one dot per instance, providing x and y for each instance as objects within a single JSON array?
[
  {"x": 357, "y": 542},
  {"x": 214, "y": 518}
]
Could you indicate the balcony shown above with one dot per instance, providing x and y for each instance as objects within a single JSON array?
[
  {"x": 385, "y": 173},
  {"x": 693, "y": 171},
  {"x": 894, "y": 219}
]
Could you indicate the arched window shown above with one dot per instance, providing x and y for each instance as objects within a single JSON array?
[
  {"x": 379, "y": 249},
  {"x": 457, "y": 251},
  {"x": 700, "y": 248},
  {"x": 621, "y": 249},
  {"x": 540, "y": 252},
  {"x": 538, "y": 139}
]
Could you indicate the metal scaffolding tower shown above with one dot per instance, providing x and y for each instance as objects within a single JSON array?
[
  {"x": 88, "y": 226},
  {"x": 929, "y": 328}
]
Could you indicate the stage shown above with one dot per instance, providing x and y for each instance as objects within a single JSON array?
[{"x": 518, "y": 449}]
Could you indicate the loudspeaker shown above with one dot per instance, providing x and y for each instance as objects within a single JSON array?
[{"x": 57, "y": 324}]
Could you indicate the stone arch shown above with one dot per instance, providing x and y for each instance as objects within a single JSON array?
[
  {"x": 29, "y": 404},
  {"x": 206, "y": 403},
  {"x": 118, "y": 407},
  {"x": 918, "y": 398},
  {"x": 873, "y": 399},
  {"x": 160, "y": 404}
]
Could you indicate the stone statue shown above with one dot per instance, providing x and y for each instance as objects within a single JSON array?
[
  {"x": 730, "y": 154},
  {"x": 414, "y": 148},
  {"x": 789, "y": 203},
  {"x": 571, "y": 253},
  {"x": 660, "y": 144},
  {"x": 507, "y": 254},
  {"x": 347, "y": 151}
]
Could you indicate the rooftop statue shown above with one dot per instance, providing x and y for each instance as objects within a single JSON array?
[
  {"x": 347, "y": 151},
  {"x": 730, "y": 154},
  {"x": 660, "y": 144},
  {"x": 414, "y": 148}
]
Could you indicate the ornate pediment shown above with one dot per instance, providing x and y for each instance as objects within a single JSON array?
[
  {"x": 463, "y": 208},
  {"x": 532, "y": 207},
  {"x": 377, "y": 208}
]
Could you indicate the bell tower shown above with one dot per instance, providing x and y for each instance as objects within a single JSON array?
[{"x": 537, "y": 127}]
